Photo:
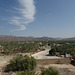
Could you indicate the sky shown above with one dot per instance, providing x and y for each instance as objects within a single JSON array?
[{"x": 52, "y": 18}]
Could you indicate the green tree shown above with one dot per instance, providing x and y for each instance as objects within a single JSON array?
[
  {"x": 21, "y": 63},
  {"x": 52, "y": 51}
]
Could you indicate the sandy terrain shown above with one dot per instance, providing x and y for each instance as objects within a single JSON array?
[
  {"x": 64, "y": 69},
  {"x": 67, "y": 66},
  {"x": 4, "y": 60}
]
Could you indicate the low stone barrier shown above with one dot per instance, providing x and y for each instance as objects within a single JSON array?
[{"x": 54, "y": 61}]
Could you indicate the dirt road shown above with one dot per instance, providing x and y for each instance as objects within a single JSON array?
[{"x": 44, "y": 55}]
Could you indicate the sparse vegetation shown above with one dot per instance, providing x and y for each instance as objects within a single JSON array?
[
  {"x": 32, "y": 46},
  {"x": 19, "y": 47},
  {"x": 26, "y": 73},
  {"x": 50, "y": 71},
  {"x": 25, "y": 65},
  {"x": 21, "y": 63}
]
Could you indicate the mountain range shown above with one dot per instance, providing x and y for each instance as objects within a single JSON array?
[{"x": 31, "y": 38}]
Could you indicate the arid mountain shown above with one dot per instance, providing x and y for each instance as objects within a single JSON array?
[
  {"x": 15, "y": 38},
  {"x": 69, "y": 39}
]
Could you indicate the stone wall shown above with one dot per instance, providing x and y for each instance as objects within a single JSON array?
[{"x": 54, "y": 61}]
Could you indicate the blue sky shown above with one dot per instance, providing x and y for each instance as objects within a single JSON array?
[{"x": 52, "y": 18}]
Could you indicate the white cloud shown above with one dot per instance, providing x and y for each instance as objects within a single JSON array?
[{"x": 26, "y": 14}]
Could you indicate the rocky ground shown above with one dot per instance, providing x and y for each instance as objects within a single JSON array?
[{"x": 64, "y": 69}]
